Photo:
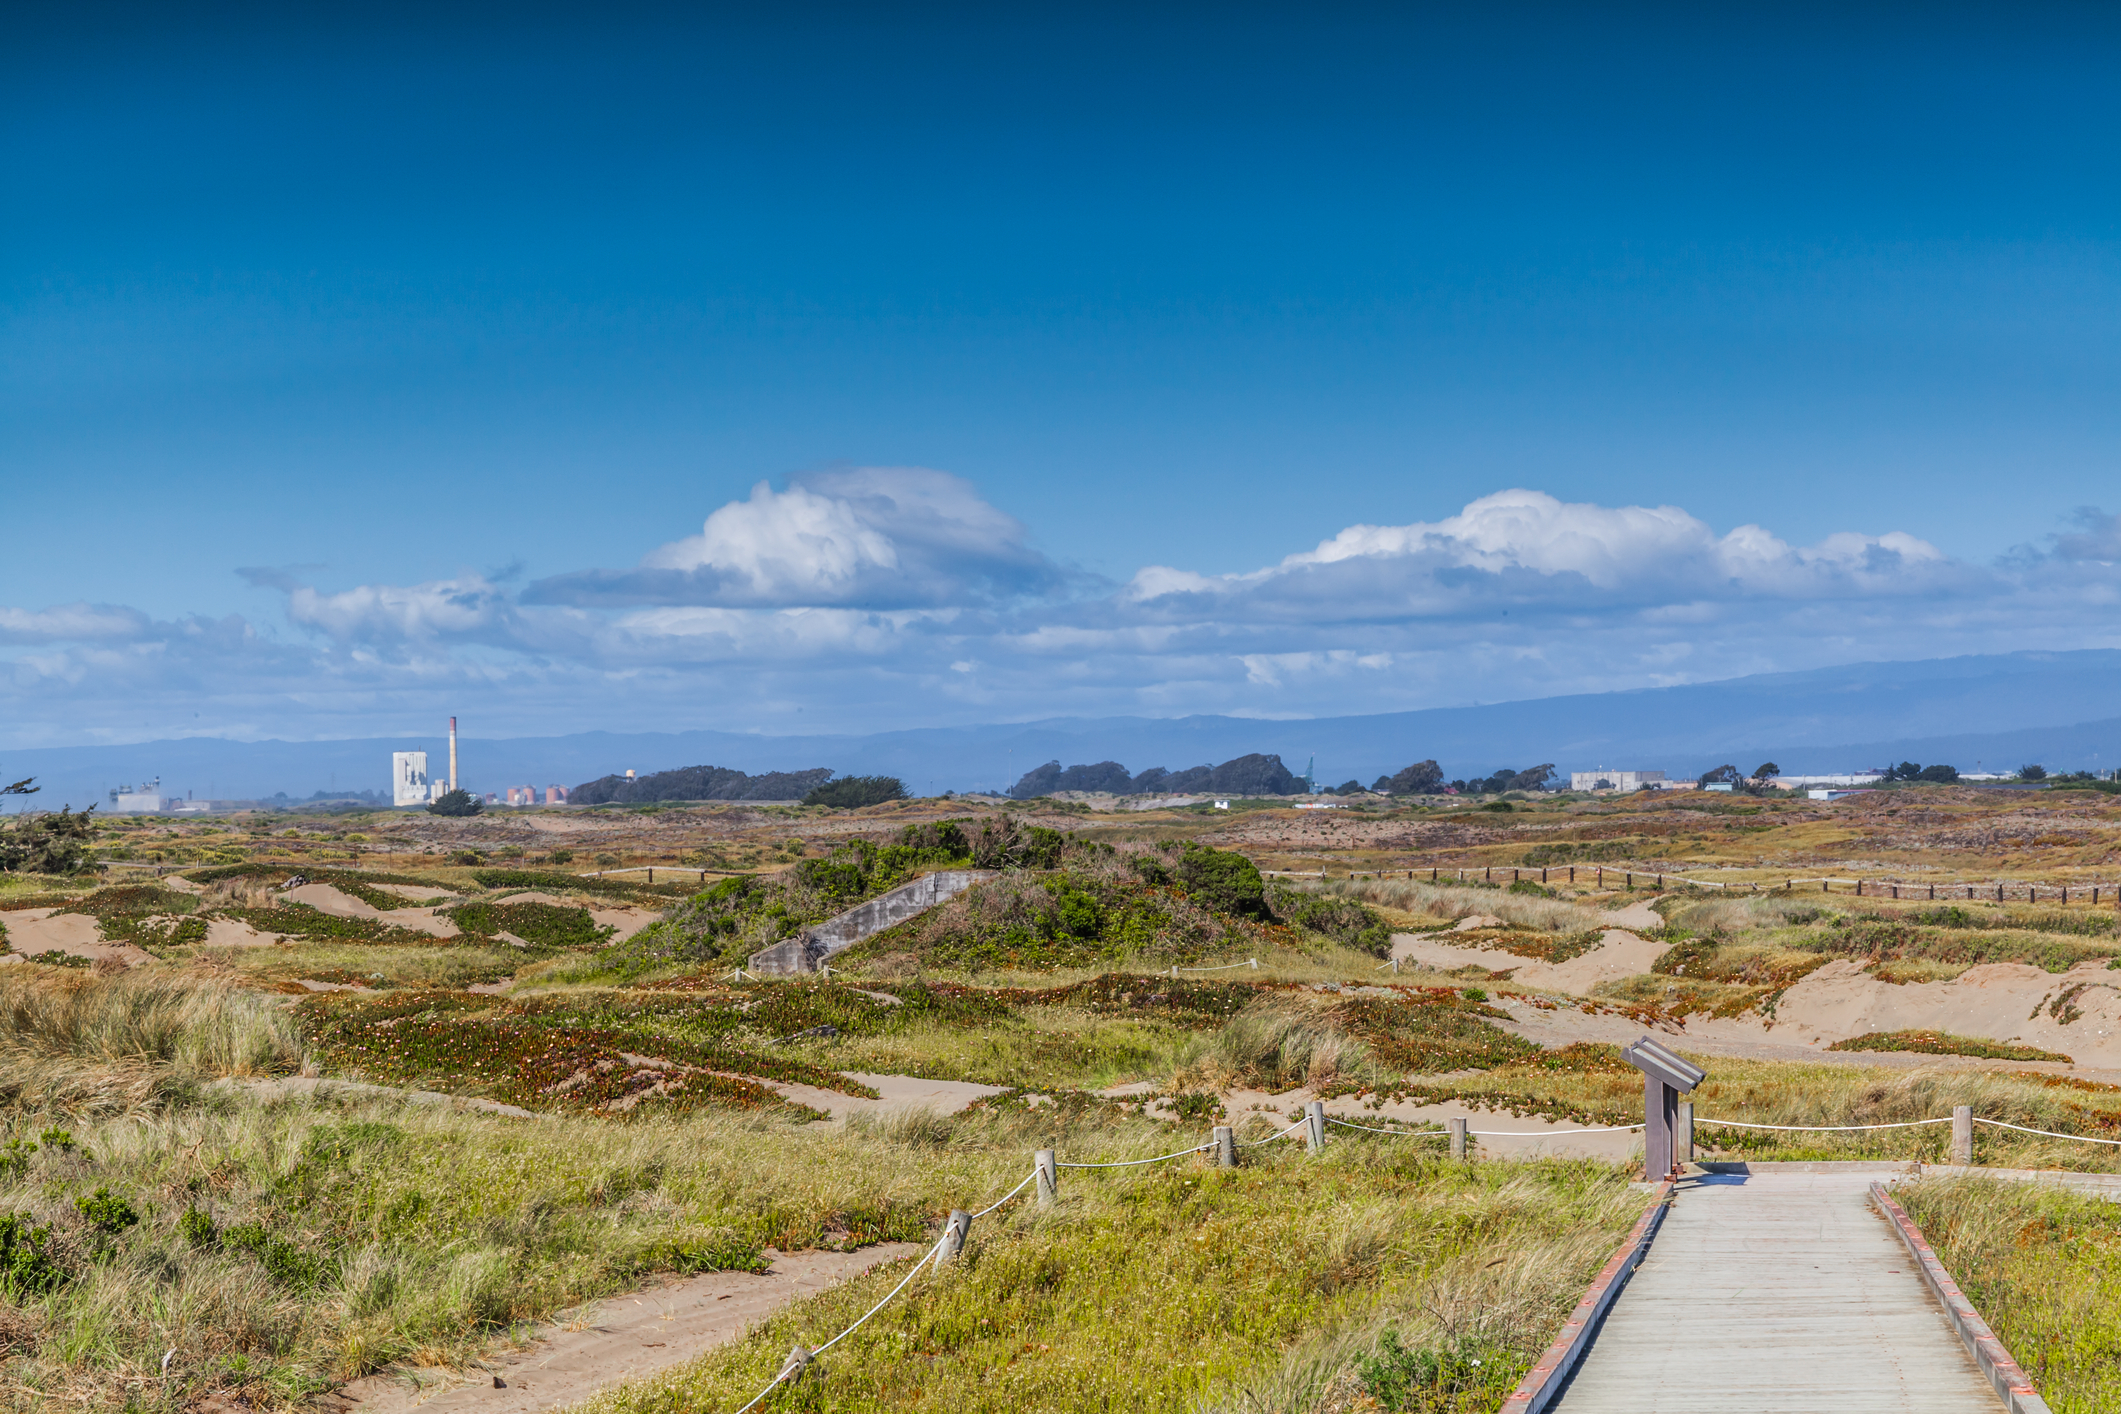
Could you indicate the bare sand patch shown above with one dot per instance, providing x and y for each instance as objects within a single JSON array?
[
  {"x": 2077, "y": 1012},
  {"x": 235, "y": 933},
  {"x": 555, "y": 824},
  {"x": 627, "y": 1337},
  {"x": 417, "y": 891},
  {"x": 628, "y": 921},
  {"x": 532, "y": 896},
  {"x": 1638, "y": 914},
  {"x": 326, "y": 899},
  {"x": 1619, "y": 954},
  {"x": 895, "y": 1092},
  {"x": 36, "y": 931}
]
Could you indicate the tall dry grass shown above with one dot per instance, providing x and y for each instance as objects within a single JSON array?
[
  {"x": 2040, "y": 1264},
  {"x": 74, "y": 1043},
  {"x": 1278, "y": 1043},
  {"x": 1182, "y": 1287},
  {"x": 144, "y": 1016}
]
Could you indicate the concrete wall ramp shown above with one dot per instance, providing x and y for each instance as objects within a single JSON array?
[{"x": 809, "y": 949}]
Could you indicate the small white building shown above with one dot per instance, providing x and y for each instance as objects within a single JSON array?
[
  {"x": 1614, "y": 780},
  {"x": 408, "y": 778}
]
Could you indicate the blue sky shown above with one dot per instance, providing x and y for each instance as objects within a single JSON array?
[{"x": 374, "y": 365}]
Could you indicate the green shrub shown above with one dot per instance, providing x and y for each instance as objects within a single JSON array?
[
  {"x": 545, "y": 925},
  {"x": 26, "y": 1266},
  {"x": 458, "y": 803},
  {"x": 196, "y": 1227},
  {"x": 1461, "y": 1374},
  {"x": 106, "y": 1211},
  {"x": 14, "y": 1158},
  {"x": 283, "y": 1261},
  {"x": 1341, "y": 919},
  {"x": 574, "y": 883},
  {"x": 1222, "y": 880}
]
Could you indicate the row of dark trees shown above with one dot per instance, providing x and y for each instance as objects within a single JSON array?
[
  {"x": 1245, "y": 775},
  {"x": 1910, "y": 771},
  {"x": 699, "y": 783},
  {"x": 1265, "y": 775},
  {"x": 1426, "y": 778}
]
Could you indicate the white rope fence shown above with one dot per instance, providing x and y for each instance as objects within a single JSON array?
[
  {"x": 1827, "y": 1128},
  {"x": 1045, "y": 1169},
  {"x": 2049, "y": 1133},
  {"x": 1488, "y": 1133}
]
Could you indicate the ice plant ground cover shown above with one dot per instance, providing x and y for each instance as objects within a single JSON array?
[{"x": 171, "y": 1181}]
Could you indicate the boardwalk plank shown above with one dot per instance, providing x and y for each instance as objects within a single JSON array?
[{"x": 1776, "y": 1292}]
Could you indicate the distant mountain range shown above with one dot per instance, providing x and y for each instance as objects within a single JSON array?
[{"x": 1995, "y": 712}]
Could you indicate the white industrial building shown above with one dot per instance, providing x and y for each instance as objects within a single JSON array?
[
  {"x": 1614, "y": 780},
  {"x": 408, "y": 779},
  {"x": 146, "y": 799}
]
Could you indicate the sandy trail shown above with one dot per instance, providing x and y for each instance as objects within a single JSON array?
[{"x": 622, "y": 1338}]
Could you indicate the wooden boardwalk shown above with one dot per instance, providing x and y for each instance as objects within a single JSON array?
[{"x": 1778, "y": 1291}]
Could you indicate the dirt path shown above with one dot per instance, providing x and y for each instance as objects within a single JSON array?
[{"x": 620, "y": 1338}]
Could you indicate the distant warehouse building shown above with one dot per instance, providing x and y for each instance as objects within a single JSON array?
[{"x": 1614, "y": 780}]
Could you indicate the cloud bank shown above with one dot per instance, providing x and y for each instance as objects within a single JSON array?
[{"x": 886, "y": 597}]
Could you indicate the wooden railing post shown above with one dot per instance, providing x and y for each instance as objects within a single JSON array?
[{"x": 955, "y": 1232}]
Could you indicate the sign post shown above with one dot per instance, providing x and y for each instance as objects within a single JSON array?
[{"x": 1665, "y": 1077}]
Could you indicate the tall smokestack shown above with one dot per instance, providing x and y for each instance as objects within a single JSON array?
[{"x": 452, "y": 753}]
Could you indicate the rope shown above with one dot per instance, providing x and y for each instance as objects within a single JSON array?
[
  {"x": 1135, "y": 1163},
  {"x": 1255, "y": 1143},
  {"x": 1487, "y": 1133},
  {"x": 2002, "y": 1124},
  {"x": 775, "y": 1382},
  {"x": 1825, "y": 1128},
  {"x": 1007, "y": 1196},
  {"x": 1369, "y": 1129},
  {"x": 1224, "y": 967}
]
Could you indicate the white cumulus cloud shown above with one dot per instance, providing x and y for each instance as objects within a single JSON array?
[{"x": 869, "y": 537}]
